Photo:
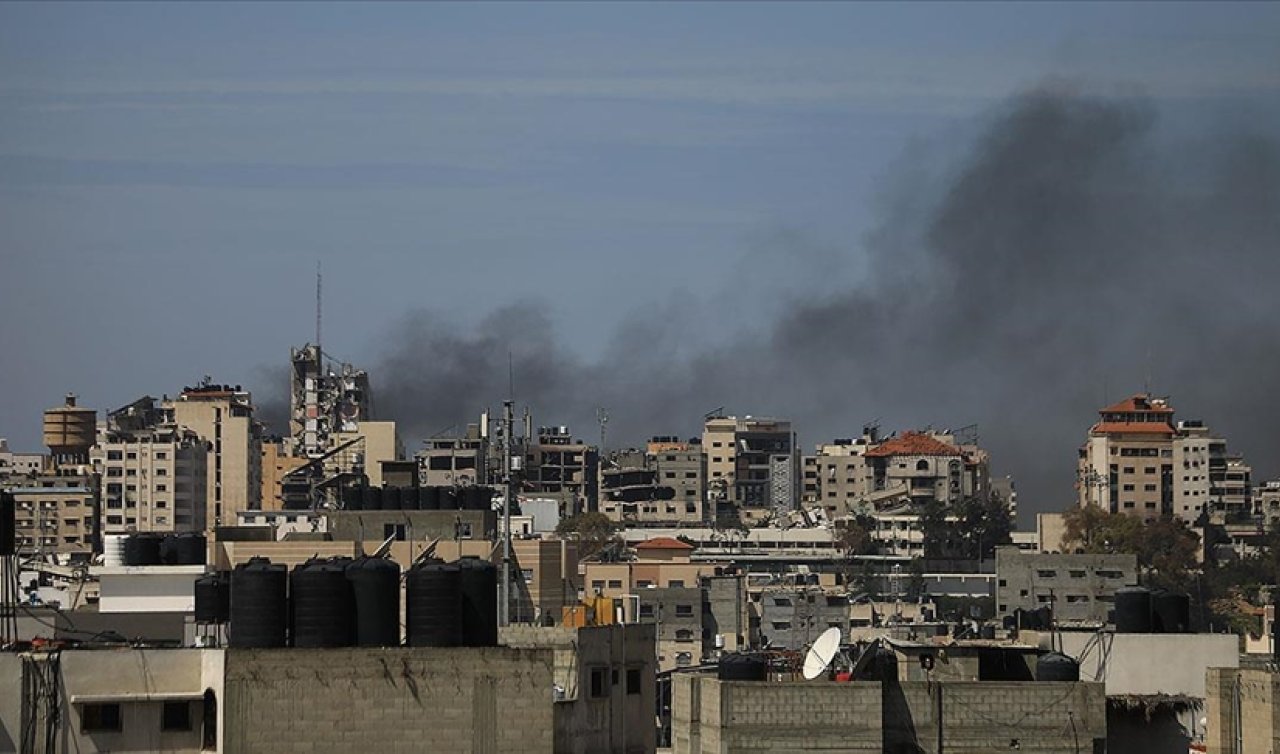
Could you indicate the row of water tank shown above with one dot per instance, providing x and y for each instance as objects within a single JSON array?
[
  {"x": 153, "y": 549},
  {"x": 340, "y": 602},
  {"x": 417, "y": 498},
  {"x": 1142, "y": 611}
]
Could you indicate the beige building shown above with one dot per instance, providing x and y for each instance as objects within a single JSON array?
[
  {"x": 381, "y": 443},
  {"x": 1137, "y": 461},
  {"x": 154, "y": 474},
  {"x": 276, "y": 463},
  {"x": 54, "y": 514},
  {"x": 446, "y": 461},
  {"x": 55, "y": 495},
  {"x": 663, "y": 485},
  {"x": 222, "y": 415},
  {"x": 561, "y": 467},
  {"x": 753, "y": 466}
]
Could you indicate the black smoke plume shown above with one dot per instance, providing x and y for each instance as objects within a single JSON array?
[{"x": 1073, "y": 255}]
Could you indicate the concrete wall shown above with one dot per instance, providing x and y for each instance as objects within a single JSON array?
[
  {"x": 10, "y": 701},
  {"x": 619, "y": 720},
  {"x": 1144, "y": 663},
  {"x": 1243, "y": 710},
  {"x": 1077, "y": 587},
  {"x": 710, "y": 716},
  {"x": 465, "y": 700}
]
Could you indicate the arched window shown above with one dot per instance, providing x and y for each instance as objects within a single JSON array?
[{"x": 922, "y": 465}]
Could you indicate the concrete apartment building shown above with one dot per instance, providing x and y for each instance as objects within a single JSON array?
[
  {"x": 154, "y": 473},
  {"x": 222, "y": 415},
  {"x": 561, "y": 467},
  {"x": 871, "y": 474},
  {"x": 1137, "y": 461},
  {"x": 19, "y": 464},
  {"x": 792, "y": 617},
  {"x": 277, "y": 462},
  {"x": 663, "y": 485},
  {"x": 55, "y": 495},
  {"x": 1079, "y": 588},
  {"x": 55, "y": 514},
  {"x": 445, "y": 461},
  {"x": 753, "y": 465}
]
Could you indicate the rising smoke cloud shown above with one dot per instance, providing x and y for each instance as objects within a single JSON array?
[{"x": 1072, "y": 253}]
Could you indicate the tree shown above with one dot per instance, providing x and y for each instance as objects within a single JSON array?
[
  {"x": 592, "y": 530},
  {"x": 854, "y": 536}
]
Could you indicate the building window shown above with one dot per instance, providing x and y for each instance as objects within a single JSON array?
[
  {"x": 633, "y": 681},
  {"x": 176, "y": 716},
  {"x": 96, "y": 718},
  {"x": 684, "y": 659},
  {"x": 1046, "y": 574},
  {"x": 684, "y": 634},
  {"x": 615, "y": 583},
  {"x": 684, "y": 611},
  {"x": 599, "y": 683},
  {"x": 394, "y": 530},
  {"x": 597, "y": 585},
  {"x": 676, "y": 583},
  {"x": 646, "y": 610}
]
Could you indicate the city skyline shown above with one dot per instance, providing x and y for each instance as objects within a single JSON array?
[{"x": 782, "y": 211}]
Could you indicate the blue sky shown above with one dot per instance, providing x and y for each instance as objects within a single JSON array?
[{"x": 171, "y": 173}]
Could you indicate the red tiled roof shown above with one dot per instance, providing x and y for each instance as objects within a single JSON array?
[
  {"x": 664, "y": 543},
  {"x": 1136, "y": 403},
  {"x": 912, "y": 444},
  {"x": 1146, "y": 428}
]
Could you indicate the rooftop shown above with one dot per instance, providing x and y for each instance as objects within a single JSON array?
[
  {"x": 664, "y": 543},
  {"x": 913, "y": 444}
]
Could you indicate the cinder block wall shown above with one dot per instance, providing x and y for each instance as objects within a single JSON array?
[
  {"x": 714, "y": 717},
  {"x": 466, "y": 700}
]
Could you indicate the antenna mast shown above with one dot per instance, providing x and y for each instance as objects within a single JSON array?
[{"x": 319, "y": 293}]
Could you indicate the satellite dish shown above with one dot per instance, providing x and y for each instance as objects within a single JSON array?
[{"x": 821, "y": 653}]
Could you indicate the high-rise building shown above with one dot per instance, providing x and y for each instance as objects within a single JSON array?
[
  {"x": 153, "y": 472},
  {"x": 222, "y": 415},
  {"x": 663, "y": 485},
  {"x": 324, "y": 399},
  {"x": 561, "y": 467},
  {"x": 1137, "y": 461},
  {"x": 753, "y": 465}
]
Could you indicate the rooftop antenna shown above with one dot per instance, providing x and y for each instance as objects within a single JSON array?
[
  {"x": 822, "y": 653},
  {"x": 319, "y": 294},
  {"x": 602, "y": 416}
]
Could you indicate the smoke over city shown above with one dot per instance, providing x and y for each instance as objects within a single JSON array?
[{"x": 1075, "y": 254}]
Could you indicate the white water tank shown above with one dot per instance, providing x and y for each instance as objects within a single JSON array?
[{"x": 113, "y": 550}]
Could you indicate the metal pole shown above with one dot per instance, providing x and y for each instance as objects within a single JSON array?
[{"x": 508, "y": 422}]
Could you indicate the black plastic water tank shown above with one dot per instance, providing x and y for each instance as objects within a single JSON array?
[
  {"x": 186, "y": 549},
  {"x": 1171, "y": 613},
  {"x": 409, "y": 498},
  {"x": 448, "y": 498},
  {"x": 479, "y": 602},
  {"x": 213, "y": 599},
  {"x": 372, "y": 498},
  {"x": 321, "y": 600},
  {"x": 433, "y": 604},
  {"x": 1054, "y": 666},
  {"x": 391, "y": 498},
  {"x": 881, "y": 664},
  {"x": 1133, "y": 610},
  {"x": 259, "y": 607},
  {"x": 478, "y": 498},
  {"x": 742, "y": 667},
  {"x": 375, "y": 587},
  {"x": 353, "y": 499},
  {"x": 429, "y": 498},
  {"x": 143, "y": 550}
]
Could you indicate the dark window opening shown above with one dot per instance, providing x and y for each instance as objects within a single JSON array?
[
  {"x": 99, "y": 717},
  {"x": 633, "y": 681},
  {"x": 176, "y": 716}
]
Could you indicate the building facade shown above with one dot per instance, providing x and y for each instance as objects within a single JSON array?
[
  {"x": 222, "y": 415},
  {"x": 753, "y": 466},
  {"x": 1137, "y": 461},
  {"x": 1077, "y": 588}
]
